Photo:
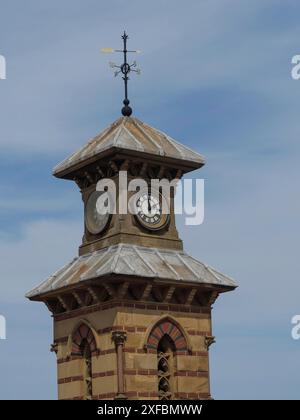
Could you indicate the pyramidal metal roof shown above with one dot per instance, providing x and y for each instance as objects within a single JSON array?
[
  {"x": 131, "y": 260},
  {"x": 130, "y": 134}
]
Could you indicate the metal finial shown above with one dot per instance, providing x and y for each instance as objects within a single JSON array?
[{"x": 125, "y": 69}]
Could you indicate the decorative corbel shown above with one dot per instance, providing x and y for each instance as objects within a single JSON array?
[
  {"x": 161, "y": 172},
  {"x": 178, "y": 174},
  {"x": 89, "y": 177},
  {"x": 54, "y": 348},
  {"x": 78, "y": 182},
  {"x": 113, "y": 166},
  {"x": 209, "y": 340},
  {"x": 125, "y": 165},
  {"x": 100, "y": 172},
  {"x": 144, "y": 169}
]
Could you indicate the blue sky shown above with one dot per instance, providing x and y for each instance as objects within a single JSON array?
[{"x": 217, "y": 77}]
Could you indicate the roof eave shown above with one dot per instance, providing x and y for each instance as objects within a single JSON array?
[
  {"x": 186, "y": 165},
  {"x": 221, "y": 288}
]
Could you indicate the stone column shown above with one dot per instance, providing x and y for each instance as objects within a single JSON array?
[{"x": 119, "y": 338}]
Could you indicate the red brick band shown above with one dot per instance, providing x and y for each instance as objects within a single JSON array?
[
  {"x": 121, "y": 328},
  {"x": 192, "y": 396},
  {"x": 108, "y": 395},
  {"x": 80, "y": 378},
  {"x": 197, "y": 332},
  {"x": 102, "y": 374},
  {"x": 191, "y": 373},
  {"x": 146, "y": 372},
  {"x": 70, "y": 379}
]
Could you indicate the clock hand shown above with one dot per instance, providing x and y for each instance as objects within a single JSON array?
[{"x": 149, "y": 205}]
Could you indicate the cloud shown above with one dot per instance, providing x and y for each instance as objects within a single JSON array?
[
  {"x": 28, "y": 368},
  {"x": 248, "y": 233},
  {"x": 248, "y": 367},
  {"x": 41, "y": 249},
  {"x": 61, "y": 91}
]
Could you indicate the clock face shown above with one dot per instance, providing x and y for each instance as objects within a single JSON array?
[
  {"x": 149, "y": 210},
  {"x": 97, "y": 216}
]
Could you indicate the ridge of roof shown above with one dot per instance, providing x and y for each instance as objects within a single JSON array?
[{"x": 131, "y": 134}]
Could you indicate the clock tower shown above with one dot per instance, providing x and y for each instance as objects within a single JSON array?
[{"x": 131, "y": 312}]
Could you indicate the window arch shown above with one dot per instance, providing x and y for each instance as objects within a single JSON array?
[
  {"x": 167, "y": 326},
  {"x": 84, "y": 346},
  {"x": 167, "y": 340}
]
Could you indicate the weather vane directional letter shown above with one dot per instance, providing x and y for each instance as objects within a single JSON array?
[{"x": 124, "y": 69}]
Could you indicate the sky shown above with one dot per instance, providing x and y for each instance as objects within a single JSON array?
[{"x": 216, "y": 76}]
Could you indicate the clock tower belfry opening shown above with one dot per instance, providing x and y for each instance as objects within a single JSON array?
[{"x": 132, "y": 312}]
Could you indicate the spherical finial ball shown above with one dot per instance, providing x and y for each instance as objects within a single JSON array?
[{"x": 126, "y": 110}]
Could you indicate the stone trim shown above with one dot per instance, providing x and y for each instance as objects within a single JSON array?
[{"x": 202, "y": 312}]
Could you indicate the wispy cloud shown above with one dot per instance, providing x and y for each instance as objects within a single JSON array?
[{"x": 40, "y": 250}]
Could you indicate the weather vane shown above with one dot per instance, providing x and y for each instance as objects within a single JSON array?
[{"x": 124, "y": 69}]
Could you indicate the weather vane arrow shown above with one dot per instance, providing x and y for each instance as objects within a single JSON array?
[{"x": 124, "y": 69}]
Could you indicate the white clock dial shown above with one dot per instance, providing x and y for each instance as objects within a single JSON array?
[
  {"x": 149, "y": 211},
  {"x": 96, "y": 219},
  {"x": 149, "y": 208}
]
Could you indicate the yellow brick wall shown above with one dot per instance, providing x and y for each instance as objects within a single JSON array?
[{"x": 139, "y": 367}]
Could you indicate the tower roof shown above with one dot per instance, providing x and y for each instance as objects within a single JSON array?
[
  {"x": 129, "y": 260},
  {"x": 129, "y": 134}
]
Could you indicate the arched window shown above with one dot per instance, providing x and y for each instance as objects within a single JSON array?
[
  {"x": 166, "y": 368},
  {"x": 87, "y": 369},
  {"x": 167, "y": 339},
  {"x": 84, "y": 345}
]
